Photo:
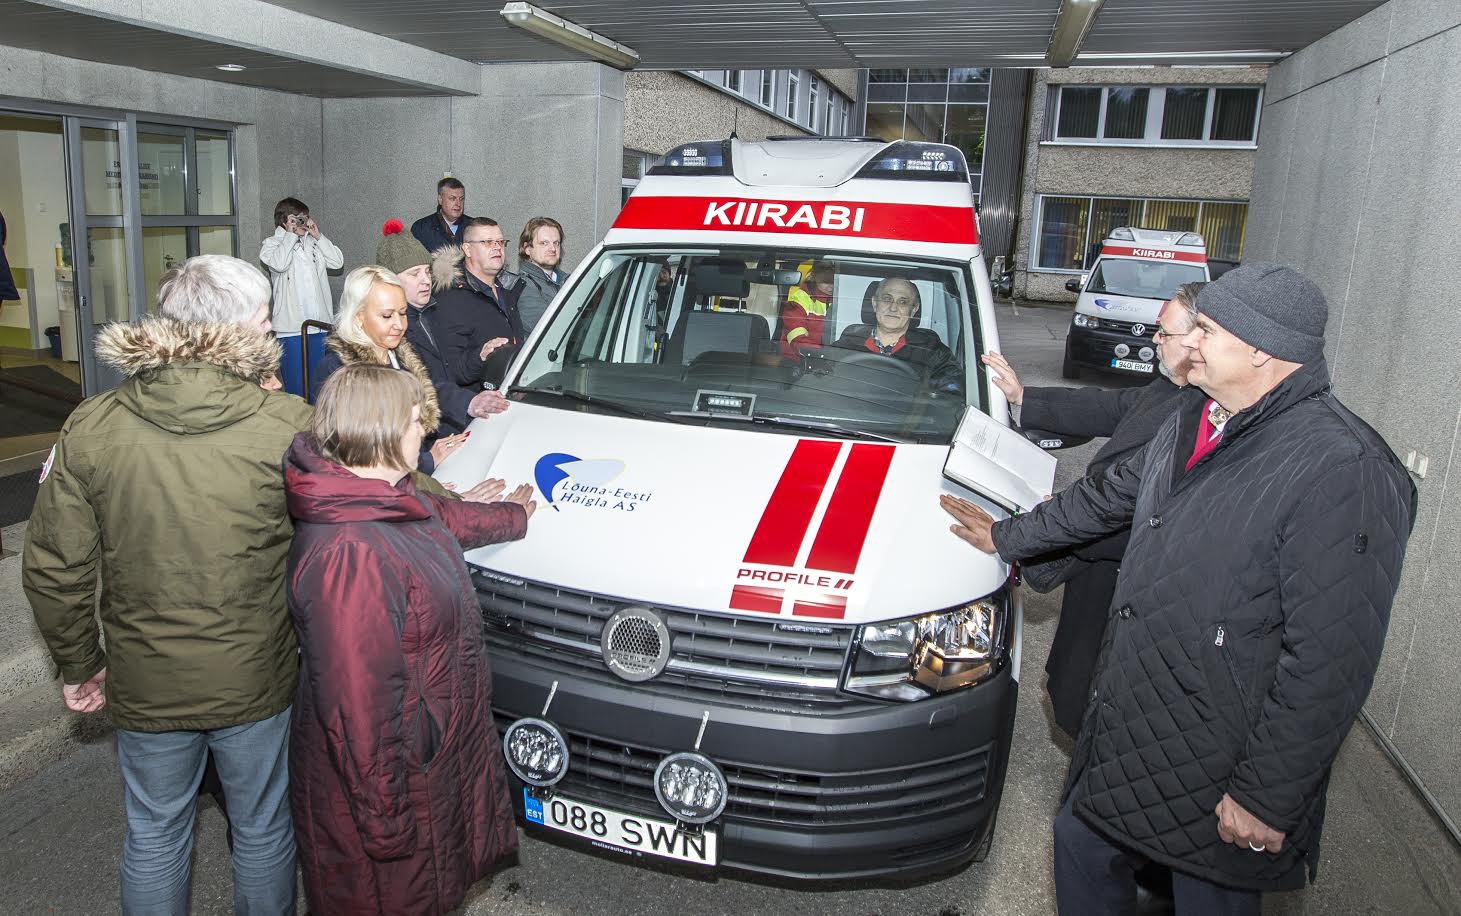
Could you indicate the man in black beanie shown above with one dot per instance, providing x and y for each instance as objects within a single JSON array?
[{"x": 1268, "y": 528}]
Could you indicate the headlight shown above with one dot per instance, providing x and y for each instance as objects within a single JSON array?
[
  {"x": 690, "y": 787},
  {"x": 1086, "y": 321},
  {"x": 913, "y": 658},
  {"x": 536, "y": 751}
]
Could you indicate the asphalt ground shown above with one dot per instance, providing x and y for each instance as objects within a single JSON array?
[{"x": 61, "y": 830}]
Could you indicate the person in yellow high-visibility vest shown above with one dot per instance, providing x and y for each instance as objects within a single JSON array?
[{"x": 806, "y": 309}]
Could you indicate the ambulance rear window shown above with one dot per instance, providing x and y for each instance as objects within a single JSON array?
[{"x": 1142, "y": 279}]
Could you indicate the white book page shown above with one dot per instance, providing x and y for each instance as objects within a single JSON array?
[{"x": 999, "y": 463}]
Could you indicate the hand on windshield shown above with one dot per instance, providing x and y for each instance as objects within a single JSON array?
[
  {"x": 1004, "y": 377},
  {"x": 523, "y": 496},
  {"x": 487, "y": 403}
]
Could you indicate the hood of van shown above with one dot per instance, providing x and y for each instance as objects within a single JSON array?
[
  {"x": 731, "y": 520},
  {"x": 1121, "y": 308}
]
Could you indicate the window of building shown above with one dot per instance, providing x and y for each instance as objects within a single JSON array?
[
  {"x": 733, "y": 80},
  {"x": 952, "y": 112},
  {"x": 813, "y": 111},
  {"x": 768, "y": 88},
  {"x": 1157, "y": 115},
  {"x": 1070, "y": 229},
  {"x": 793, "y": 89},
  {"x": 636, "y": 163},
  {"x": 887, "y": 76},
  {"x": 829, "y": 122}
]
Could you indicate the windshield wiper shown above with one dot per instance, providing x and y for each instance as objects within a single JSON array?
[
  {"x": 828, "y": 429},
  {"x": 592, "y": 401}
]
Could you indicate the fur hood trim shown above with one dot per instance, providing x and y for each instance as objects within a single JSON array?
[
  {"x": 446, "y": 267},
  {"x": 350, "y": 354},
  {"x": 153, "y": 342}
]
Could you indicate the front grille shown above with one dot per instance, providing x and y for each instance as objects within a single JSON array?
[
  {"x": 1111, "y": 324},
  {"x": 757, "y": 663},
  {"x": 622, "y": 776}
]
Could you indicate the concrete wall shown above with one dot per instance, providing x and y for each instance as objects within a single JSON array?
[
  {"x": 1115, "y": 171},
  {"x": 664, "y": 108},
  {"x": 1356, "y": 184},
  {"x": 540, "y": 140},
  {"x": 278, "y": 135}
]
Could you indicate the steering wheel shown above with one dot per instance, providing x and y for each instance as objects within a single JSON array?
[{"x": 879, "y": 361}]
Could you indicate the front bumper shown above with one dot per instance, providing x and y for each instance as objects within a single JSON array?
[
  {"x": 881, "y": 791},
  {"x": 1096, "y": 347}
]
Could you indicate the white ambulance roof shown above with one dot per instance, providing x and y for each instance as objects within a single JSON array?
[
  {"x": 854, "y": 195},
  {"x": 1154, "y": 245}
]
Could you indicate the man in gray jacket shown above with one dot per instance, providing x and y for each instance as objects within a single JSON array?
[
  {"x": 1268, "y": 529},
  {"x": 539, "y": 251}
]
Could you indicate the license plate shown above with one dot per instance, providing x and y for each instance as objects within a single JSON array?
[
  {"x": 631, "y": 834},
  {"x": 1132, "y": 365}
]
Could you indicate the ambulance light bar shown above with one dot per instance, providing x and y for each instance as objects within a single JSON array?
[
  {"x": 1122, "y": 235},
  {"x": 712, "y": 157},
  {"x": 911, "y": 161},
  {"x": 1193, "y": 239}
]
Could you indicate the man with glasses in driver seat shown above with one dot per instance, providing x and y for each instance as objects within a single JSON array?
[{"x": 896, "y": 307}]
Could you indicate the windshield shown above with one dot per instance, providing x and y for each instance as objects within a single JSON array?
[
  {"x": 796, "y": 340},
  {"x": 1142, "y": 279}
]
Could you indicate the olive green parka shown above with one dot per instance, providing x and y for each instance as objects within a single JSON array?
[{"x": 165, "y": 499}]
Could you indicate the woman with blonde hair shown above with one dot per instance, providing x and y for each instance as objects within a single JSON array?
[
  {"x": 370, "y": 329},
  {"x": 396, "y": 776}
]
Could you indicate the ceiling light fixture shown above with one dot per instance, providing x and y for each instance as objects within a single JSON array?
[
  {"x": 570, "y": 35},
  {"x": 232, "y": 68},
  {"x": 1071, "y": 26}
]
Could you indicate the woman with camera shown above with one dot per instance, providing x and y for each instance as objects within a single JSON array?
[{"x": 298, "y": 256}]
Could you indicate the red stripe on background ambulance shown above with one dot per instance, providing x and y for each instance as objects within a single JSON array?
[
  {"x": 837, "y": 544},
  {"x": 859, "y": 219},
  {"x": 1156, "y": 254}
]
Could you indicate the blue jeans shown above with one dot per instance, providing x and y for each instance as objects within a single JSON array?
[
  {"x": 1094, "y": 877},
  {"x": 161, "y": 772}
]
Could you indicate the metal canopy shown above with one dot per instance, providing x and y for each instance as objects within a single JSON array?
[
  {"x": 858, "y": 33},
  {"x": 667, "y": 34}
]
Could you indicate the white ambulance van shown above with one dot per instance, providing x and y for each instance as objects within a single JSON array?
[
  {"x": 739, "y": 634},
  {"x": 1115, "y": 320}
]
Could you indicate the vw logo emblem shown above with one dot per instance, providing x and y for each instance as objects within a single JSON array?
[{"x": 1138, "y": 329}]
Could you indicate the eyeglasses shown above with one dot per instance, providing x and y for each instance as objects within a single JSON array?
[
  {"x": 1161, "y": 334},
  {"x": 901, "y": 304},
  {"x": 490, "y": 243}
]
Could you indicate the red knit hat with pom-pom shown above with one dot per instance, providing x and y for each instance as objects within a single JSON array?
[{"x": 399, "y": 251}]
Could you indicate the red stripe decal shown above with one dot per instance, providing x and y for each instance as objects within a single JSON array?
[
  {"x": 857, "y": 219},
  {"x": 1155, "y": 254},
  {"x": 784, "y": 521},
  {"x": 757, "y": 598},
  {"x": 850, "y": 511},
  {"x": 830, "y": 606}
]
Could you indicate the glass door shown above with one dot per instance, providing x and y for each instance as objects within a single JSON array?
[{"x": 104, "y": 238}]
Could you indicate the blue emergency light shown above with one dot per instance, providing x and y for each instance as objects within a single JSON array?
[
  {"x": 912, "y": 161},
  {"x": 711, "y": 157}
]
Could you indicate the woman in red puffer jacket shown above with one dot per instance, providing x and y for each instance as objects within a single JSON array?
[{"x": 397, "y": 784}]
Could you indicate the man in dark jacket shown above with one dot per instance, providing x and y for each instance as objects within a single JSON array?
[
  {"x": 477, "y": 300},
  {"x": 165, "y": 499},
  {"x": 7, "y": 282},
  {"x": 1130, "y": 417},
  {"x": 446, "y": 225},
  {"x": 1269, "y": 531},
  {"x": 404, "y": 256}
]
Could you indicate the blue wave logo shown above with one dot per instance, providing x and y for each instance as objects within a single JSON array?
[
  {"x": 1103, "y": 304},
  {"x": 556, "y": 467}
]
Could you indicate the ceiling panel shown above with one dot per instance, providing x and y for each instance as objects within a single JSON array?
[
  {"x": 1187, "y": 26},
  {"x": 40, "y": 28}
]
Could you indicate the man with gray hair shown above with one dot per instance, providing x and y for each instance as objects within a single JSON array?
[
  {"x": 1268, "y": 529},
  {"x": 163, "y": 503},
  {"x": 1130, "y": 417}
]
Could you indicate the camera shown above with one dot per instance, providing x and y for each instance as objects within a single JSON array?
[{"x": 300, "y": 220}]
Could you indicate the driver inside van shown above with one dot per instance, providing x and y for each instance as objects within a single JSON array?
[
  {"x": 806, "y": 310},
  {"x": 896, "y": 307}
]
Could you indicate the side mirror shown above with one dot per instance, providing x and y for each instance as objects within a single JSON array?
[
  {"x": 1073, "y": 286},
  {"x": 1053, "y": 441}
]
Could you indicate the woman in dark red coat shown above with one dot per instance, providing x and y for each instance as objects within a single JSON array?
[{"x": 396, "y": 776}]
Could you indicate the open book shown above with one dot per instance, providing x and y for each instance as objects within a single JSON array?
[{"x": 999, "y": 463}]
